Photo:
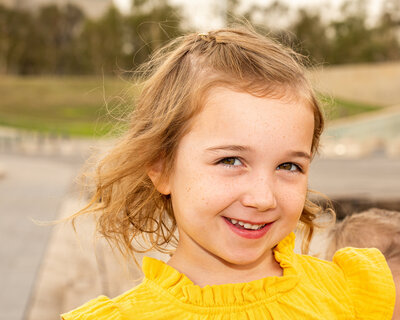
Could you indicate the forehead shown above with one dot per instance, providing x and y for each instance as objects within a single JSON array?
[
  {"x": 226, "y": 105},
  {"x": 239, "y": 117}
]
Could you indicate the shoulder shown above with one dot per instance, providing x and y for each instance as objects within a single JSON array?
[
  {"x": 370, "y": 281},
  {"x": 133, "y": 301},
  {"x": 312, "y": 267},
  {"x": 361, "y": 274},
  {"x": 99, "y": 308}
]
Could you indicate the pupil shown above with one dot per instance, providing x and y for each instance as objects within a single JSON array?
[{"x": 230, "y": 161}]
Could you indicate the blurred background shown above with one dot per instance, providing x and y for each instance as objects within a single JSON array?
[{"x": 65, "y": 84}]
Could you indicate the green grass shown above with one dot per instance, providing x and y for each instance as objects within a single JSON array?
[
  {"x": 336, "y": 108},
  {"x": 83, "y": 106},
  {"x": 88, "y": 106}
]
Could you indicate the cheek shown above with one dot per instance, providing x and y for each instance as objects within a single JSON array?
[
  {"x": 192, "y": 193},
  {"x": 292, "y": 198},
  {"x": 210, "y": 195}
]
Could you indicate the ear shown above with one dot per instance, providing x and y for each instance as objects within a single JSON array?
[{"x": 155, "y": 173}]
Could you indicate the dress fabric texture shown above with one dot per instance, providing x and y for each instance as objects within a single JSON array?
[{"x": 357, "y": 285}]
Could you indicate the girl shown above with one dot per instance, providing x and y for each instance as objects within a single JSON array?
[{"x": 219, "y": 148}]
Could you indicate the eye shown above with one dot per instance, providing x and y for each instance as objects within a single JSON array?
[
  {"x": 289, "y": 166},
  {"x": 231, "y": 162}
]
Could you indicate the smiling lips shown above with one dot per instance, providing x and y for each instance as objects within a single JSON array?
[{"x": 246, "y": 229}]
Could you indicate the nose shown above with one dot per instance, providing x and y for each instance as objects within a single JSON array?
[{"x": 260, "y": 195}]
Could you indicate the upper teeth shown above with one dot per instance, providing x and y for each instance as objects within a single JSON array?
[{"x": 247, "y": 225}]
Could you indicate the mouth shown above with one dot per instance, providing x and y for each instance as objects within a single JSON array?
[
  {"x": 246, "y": 229},
  {"x": 245, "y": 225}
]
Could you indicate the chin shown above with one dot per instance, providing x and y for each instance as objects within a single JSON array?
[{"x": 244, "y": 258}]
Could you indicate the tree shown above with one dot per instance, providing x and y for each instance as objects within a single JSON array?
[
  {"x": 231, "y": 11},
  {"x": 71, "y": 25},
  {"x": 151, "y": 24},
  {"x": 101, "y": 42},
  {"x": 15, "y": 38},
  {"x": 348, "y": 39},
  {"x": 46, "y": 40},
  {"x": 311, "y": 36}
]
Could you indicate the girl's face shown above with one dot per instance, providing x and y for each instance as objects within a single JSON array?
[{"x": 240, "y": 178}]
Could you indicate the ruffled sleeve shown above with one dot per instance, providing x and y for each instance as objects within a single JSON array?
[
  {"x": 101, "y": 308},
  {"x": 370, "y": 282}
]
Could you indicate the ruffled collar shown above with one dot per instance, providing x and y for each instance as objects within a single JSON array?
[{"x": 178, "y": 286}]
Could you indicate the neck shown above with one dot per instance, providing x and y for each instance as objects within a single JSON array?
[{"x": 208, "y": 269}]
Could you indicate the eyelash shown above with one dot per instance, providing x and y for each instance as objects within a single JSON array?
[{"x": 221, "y": 161}]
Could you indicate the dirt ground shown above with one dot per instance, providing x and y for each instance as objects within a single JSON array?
[{"x": 376, "y": 84}]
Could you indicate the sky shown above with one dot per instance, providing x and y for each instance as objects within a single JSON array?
[{"x": 204, "y": 17}]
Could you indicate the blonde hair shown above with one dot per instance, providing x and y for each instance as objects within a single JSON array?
[
  {"x": 374, "y": 228},
  {"x": 177, "y": 79}
]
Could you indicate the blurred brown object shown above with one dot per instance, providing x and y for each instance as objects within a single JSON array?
[{"x": 374, "y": 228}]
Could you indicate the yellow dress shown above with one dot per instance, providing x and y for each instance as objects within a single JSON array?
[{"x": 357, "y": 285}]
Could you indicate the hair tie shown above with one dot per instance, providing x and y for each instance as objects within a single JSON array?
[{"x": 207, "y": 37}]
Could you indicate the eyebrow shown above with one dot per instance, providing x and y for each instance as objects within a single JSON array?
[
  {"x": 231, "y": 147},
  {"x": 298, "y": 154}
]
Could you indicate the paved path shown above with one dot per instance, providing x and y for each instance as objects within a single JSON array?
[
  {"x": 32, "y": 188},
  {"x": 375, "y": 177}
]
